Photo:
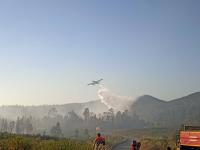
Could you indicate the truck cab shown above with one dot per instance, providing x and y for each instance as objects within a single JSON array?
[{"x": 189, "y": 138}]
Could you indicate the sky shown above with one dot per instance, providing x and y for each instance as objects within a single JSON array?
[{"x": 51, "y": 49}]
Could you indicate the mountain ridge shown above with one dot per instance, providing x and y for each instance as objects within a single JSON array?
[
  {"x": 148, "y": 108},
  {"x": 184, "y": 110}
]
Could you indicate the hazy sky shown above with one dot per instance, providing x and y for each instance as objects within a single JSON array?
[{"x": 51, "y": 49}]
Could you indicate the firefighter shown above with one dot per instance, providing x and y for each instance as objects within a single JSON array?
[{"x": 99, "y": 142}]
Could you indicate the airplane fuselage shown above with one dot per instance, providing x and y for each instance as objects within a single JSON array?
[{"x": 95, "y": 82}]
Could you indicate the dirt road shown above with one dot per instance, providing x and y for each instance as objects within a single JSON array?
[{"x": 123, "y": 146}]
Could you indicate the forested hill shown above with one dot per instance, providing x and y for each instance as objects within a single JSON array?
[
  {"x": 14, "y": 111},
  {"x": 185, "y": 110}
]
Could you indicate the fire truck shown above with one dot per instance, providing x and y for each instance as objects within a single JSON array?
[{"x": 189, "y": 138}]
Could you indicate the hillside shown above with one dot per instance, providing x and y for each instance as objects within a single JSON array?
[
  {"x": 158, "y": 112},
  {"x": 148, "y": 107},
  {"x": 12, "y": 112},
  {"x": 172, "y": 113}
]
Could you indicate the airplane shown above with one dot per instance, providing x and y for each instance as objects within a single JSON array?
[{"x": 95, "y": 82}]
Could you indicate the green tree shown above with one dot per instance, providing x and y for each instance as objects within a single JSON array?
[
  {"x": 11, "y": 126},
  {"x": 86, "y": 114},
  {"x": 4, "y": 126},
  {"x": 56, "y": 130},
  {"x": 76, "y": 133},
  {"x": 86, "y": 133},
  {"x": 29, "y": 126}
]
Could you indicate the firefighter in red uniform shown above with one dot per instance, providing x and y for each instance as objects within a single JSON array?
[
  {"x": 134, "y": 145},
  {"x": 99, "y": 140}
]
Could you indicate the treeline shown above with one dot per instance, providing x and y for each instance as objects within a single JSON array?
[
  {"x": 174, "y": 117},
  {"x": 72, "y": 124}
]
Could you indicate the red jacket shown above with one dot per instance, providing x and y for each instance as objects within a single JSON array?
[
  {"x": 132, "y": 147},
  {"x": 99, "y": 139}
]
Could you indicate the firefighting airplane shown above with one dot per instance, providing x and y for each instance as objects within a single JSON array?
[{"x": 95, "y": 82}]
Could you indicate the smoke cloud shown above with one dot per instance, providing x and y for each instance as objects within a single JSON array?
[{"x": 112, "y": 100}]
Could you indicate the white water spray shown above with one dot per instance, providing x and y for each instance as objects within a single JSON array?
[{"x": 111, "y": 100}]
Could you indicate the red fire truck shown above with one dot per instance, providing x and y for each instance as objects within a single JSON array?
[{"x": 189, "y": 138}]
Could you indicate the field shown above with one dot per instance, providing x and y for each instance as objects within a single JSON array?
[
  {"x": 26, "y": 142},
  {"x": 151, "y": 139},
  {"x": 37, "y": 142}
]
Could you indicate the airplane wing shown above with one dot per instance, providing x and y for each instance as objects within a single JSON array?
[
  {"x": 91, "y": 84},
  {"x": 100, "y": 80}
]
